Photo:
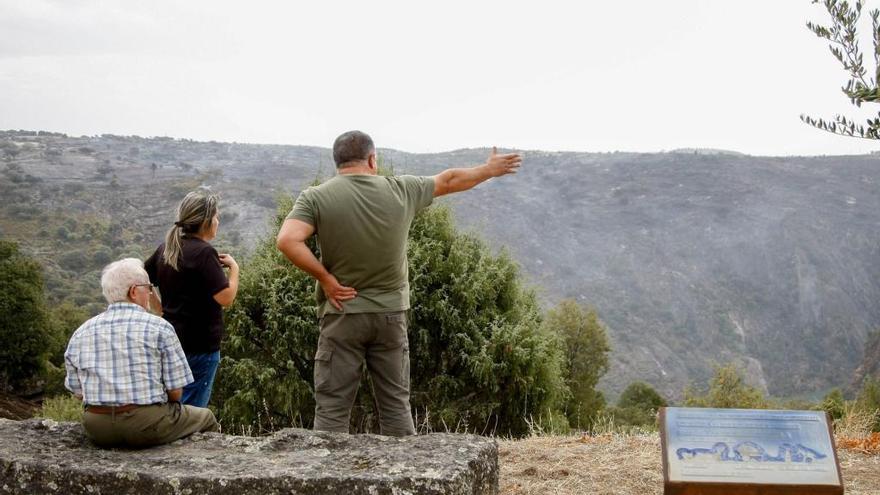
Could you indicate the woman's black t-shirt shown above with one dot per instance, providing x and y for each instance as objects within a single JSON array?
[{"x": 188, "y": 294}]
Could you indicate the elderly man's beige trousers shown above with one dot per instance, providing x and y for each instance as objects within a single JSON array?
[
  {"x": 148, "y": 425},
  {"x": 346, "y": 342}
]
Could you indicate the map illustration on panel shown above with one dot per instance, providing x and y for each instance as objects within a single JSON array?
[{"x": 749, "y": 446}]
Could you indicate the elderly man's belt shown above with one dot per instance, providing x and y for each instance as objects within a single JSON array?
[{"x": 112, "y": 409}]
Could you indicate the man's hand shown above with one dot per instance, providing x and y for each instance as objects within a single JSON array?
[
  {"x": 154, "y": 305},
  {"x": 499, "y": 165},
  {"x": 174, "y": 395},
  {"x": 455, "y": 180},
  {"x": 336, "y": 293},
  {"x": 292, "y": 242}
]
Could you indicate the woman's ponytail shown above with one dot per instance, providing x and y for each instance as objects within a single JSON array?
[{"x": 172, "y": 247}]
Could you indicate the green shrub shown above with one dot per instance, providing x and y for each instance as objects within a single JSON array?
[
  {"x": 868, "y": 400},
  {"x": 25, "y": 340},
  {"x": 101, "y": 256},
  {"x": 75, "y": 261},
  {"x": 585, "y": 349},
  {"x": 727, "y": 389},
  {"x": 265, "y": 376},
  {"x": 64, "y": 407},
  {"x": 480, "y": 356},
  {"x": 642, "y": 396},
  {"x": 637, "y": 406},
  {"x": 480, "y": 360},
  {"x": 834, "y": 404},
  {"x": 64, "y": 319}
]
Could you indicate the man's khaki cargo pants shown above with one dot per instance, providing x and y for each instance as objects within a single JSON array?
[{"x": 346, "y": 341}]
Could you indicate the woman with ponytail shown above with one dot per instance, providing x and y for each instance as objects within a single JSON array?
[{"x": 195, "y": 289}]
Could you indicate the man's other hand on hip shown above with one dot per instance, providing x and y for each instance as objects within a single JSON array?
[{"x": 336, "y": 293}]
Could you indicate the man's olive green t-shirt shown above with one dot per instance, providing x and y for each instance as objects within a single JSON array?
[{"x": 362, "y": 223}]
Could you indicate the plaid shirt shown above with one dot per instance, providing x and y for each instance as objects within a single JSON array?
[{"x": 125, "y": 355}]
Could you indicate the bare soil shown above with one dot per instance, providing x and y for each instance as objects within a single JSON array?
[
  {"x": 12, "y": 407},
  {"x": 626, "y": 465}
]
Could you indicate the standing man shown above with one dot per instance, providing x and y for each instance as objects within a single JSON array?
[
  {"x": 128, "y": 368},
  {"x": 362, "y": 221}
]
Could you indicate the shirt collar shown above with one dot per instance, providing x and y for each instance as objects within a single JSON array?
[{"x": 124, "y": 305}]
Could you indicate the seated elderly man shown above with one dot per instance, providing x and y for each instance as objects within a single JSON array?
[{"x": 129, "y": 368}]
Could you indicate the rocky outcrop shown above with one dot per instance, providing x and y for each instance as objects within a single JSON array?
[{"x": 43, "y": 456}]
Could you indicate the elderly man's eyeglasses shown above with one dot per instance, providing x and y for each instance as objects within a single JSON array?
[{"x": 148, "y": 286}]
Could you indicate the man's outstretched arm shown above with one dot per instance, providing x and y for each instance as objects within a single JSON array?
[
  {"x": 291, "y": 241},
  {"x": 455, "y": 180}
]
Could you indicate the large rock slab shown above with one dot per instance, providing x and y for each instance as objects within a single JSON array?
[{"x": 44, "y": 456}]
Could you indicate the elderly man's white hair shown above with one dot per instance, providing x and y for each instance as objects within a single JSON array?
[{"x": 118, "y": 277}]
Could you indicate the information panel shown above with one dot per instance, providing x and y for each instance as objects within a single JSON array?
[{"x": 745, "y": 446}]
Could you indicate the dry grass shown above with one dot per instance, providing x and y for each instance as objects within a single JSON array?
[
  {"x": 856, "y": 422},
  {"x": 613, "y": 464}
]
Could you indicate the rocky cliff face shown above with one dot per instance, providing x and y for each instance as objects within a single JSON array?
[
  {"x": 41, "y": 456},
  {"x": 691, "y": 259},
  {"x": 869, "y": 366}
]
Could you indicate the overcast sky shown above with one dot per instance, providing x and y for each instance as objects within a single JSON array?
[{"x": 641, "y": 75}]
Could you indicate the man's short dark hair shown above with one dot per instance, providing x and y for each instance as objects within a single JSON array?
[{"x": 352, "y": 146}]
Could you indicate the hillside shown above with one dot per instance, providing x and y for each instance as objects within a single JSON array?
[{"x": 690, "y": 258}]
